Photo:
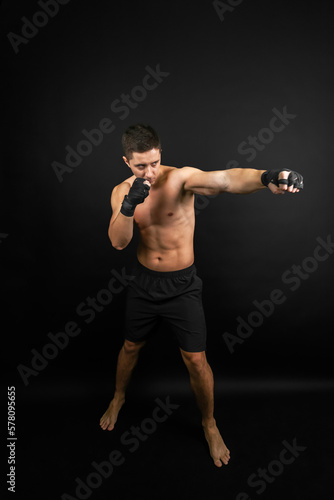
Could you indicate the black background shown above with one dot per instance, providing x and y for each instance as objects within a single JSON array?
[{"x": 224, "y": 79}]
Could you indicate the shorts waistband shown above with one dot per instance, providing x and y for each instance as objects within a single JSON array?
[{"x": 166, "y": 274}]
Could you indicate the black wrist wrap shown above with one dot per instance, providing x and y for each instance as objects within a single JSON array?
[{"x": 127, "y": 208}]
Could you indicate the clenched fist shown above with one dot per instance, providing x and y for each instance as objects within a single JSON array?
[{"x": 137, "y": 194}]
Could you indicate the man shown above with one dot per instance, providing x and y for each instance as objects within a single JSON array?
[{"x": 160, "y": 201}]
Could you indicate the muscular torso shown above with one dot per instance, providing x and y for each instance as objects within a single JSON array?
[{"x": 166, "y": 223}]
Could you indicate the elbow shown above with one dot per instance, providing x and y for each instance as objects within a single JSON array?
[
  {"x": 118, "y": 247},
  {"x": 118, "y": 241},
  {"x": 116, "y": 244}
]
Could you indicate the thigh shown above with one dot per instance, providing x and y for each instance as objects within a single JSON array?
[
  {"x": 141, "y": 318},
  {"x": 185, "y": 316}
]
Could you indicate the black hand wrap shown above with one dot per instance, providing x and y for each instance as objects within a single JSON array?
[
  {"x": 137, "y": 194},
  {"x": 294, "y": 179}
]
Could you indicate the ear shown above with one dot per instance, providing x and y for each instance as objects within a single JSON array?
[{"x": 126, "y": 161}]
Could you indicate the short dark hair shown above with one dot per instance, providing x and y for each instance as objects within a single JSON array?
[{"x": 139, "y": 138}]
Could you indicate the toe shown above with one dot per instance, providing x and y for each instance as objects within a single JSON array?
[
  {"x": 226, "y": 457},
  {"x": 218, "y": 463},
  {"x": 103, "y": 423}
]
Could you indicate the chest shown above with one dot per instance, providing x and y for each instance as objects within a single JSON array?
[{"x": 163, "y": 206}]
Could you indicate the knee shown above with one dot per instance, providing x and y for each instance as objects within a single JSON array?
[
  {"x": 132, "y": 347},
  {"x": 195, "y": 361}
]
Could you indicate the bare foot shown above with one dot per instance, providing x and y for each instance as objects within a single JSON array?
[
  {"x": 218, "y": 450},
  {"x": 109, "y": 418}
]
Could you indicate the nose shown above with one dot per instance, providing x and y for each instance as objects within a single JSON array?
[{"x": 148, "y": 173}]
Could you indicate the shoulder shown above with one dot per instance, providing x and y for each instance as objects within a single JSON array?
[
  {"x": 183, "y": 170},
  {"x": 182, "y": 173},
  {"x": 187, "y": 175}
]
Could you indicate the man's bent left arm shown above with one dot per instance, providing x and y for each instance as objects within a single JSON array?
[{"x": 241, "y": 181}]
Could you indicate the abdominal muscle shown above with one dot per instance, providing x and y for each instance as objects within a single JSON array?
[{"x": 166, "y": 249}]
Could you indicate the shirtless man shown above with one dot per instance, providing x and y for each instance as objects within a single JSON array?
[{"x": 160, "y": 201}]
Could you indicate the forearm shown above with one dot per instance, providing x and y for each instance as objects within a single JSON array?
[
  {"x": 243, "y": 180},
  {"x": 121, "y": 231}
]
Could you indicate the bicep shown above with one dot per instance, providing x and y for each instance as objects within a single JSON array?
[{"x": 204, "y": 183}]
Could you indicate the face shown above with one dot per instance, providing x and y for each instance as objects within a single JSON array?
[{"x": 145, "y": 165}]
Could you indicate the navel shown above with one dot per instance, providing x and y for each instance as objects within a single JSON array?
[{"x": 170, "y": 213}]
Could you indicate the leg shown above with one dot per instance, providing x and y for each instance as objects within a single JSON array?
[
  {"x": 127, "y": 360},
  {"x": 202, "y": 384}
]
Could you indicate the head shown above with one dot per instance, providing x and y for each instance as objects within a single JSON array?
[{"x": 142, "y": 151}]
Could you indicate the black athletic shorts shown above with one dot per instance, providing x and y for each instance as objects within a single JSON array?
[{"x": 175, "y": 297}]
